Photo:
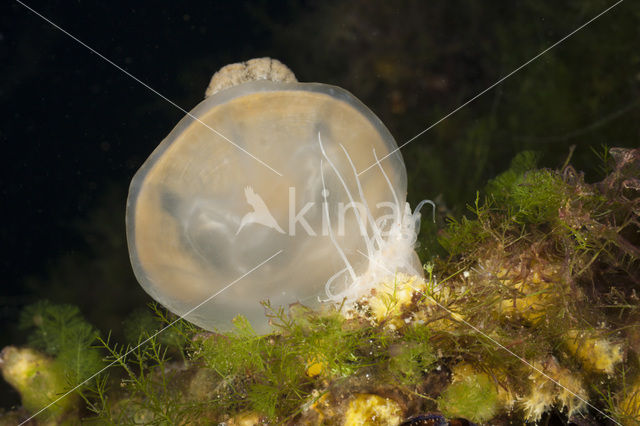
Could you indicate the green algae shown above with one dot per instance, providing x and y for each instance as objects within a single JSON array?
[
  {"x": 413, "y": 357},
  {"x": 474, "y": 398},
  {"x": 61, "y": 332}
]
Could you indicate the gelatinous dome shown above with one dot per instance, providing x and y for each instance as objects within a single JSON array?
[{"x": 202, "y": 213}]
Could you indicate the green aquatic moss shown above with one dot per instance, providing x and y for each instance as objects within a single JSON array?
[
  {"x": 151, "y": 387},
  {"x": 537, "y": 196},
  {"x": 528, "y": 194},
  {"x": 414, "y": 356},
  {"x": 502, "y": 185},
  {"x": 271, "y": 374},
  {"x": 154, "y": 320},
  {"x": 461, "y": 235},
  {"x": 341, "y": 346},
  {"x": 61, "y": 331},
  {"x": 265, "y": 374}
]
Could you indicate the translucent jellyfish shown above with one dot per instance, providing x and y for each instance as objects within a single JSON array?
[{"x": 265, "y": 191}]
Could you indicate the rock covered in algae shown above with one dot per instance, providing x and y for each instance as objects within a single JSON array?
[
  {"x": 514, "y": 326},
  {"x": 39, "y": 380}
]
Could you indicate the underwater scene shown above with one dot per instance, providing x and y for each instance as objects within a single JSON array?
[{"x": 416, "y": 213}]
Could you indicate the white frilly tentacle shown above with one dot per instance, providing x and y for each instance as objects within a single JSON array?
[{"x": 388, "y": 254}]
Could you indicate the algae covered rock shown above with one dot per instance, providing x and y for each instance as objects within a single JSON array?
[
  {"x": 532, "y": 315},
  {"x": 39, "y": 380}
]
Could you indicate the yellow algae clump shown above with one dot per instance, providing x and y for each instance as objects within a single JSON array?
[
  {"x": 629, "y": 406},
  {"x": 507, "y": 396},
  {"x": 369, "y": 409},
  {"x": 534, "y": 297},
  {"x": 391, "y": 299},
  {"x": 564, "y": 390},
  {"x": 596, "y": 354},
  {"x": 315, "y": 368},
  {"x": 245, "y": 419}
]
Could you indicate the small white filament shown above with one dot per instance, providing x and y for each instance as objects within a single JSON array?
[
  {"x": 331, "y": 235},
  {"x": 361, "y": 224}
]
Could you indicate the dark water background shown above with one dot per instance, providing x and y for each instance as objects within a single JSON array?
[{"x": 74, "y": 129}]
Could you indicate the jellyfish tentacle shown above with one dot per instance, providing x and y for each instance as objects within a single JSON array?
[
  {"x": 421, "y": 204},
  {"x": 374, "y": 227},
  {"x": 416, "y": 213},
  {"x": 331, "y": 235},
  {"x": 361, "y": 224},
  {"x": 387, "y": 254},
  {"x": 327, "y": 286},
  {"x": 393, "y": 191}
]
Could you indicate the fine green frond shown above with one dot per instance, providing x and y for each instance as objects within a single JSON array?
[{"x": 61, "y": 331}]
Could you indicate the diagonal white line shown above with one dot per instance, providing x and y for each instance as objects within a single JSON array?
[
  {"x": 148, "y": 87},
  {"x": 496, "y": 83},
  {"x": 524, "y": 361},
  {"x": 154, "y": 335}
]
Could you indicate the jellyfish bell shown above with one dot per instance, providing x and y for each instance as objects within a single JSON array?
[{"x": 264, "y": 191}]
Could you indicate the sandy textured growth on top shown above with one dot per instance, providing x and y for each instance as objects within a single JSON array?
[{"x": 251, "y": 70}]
